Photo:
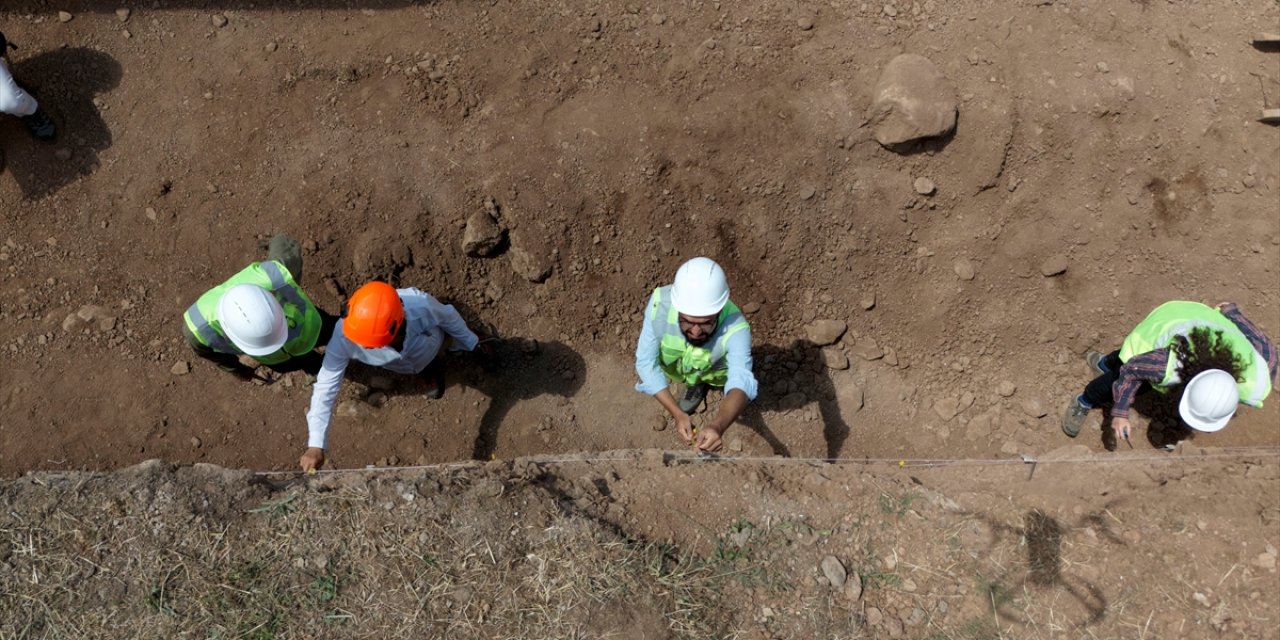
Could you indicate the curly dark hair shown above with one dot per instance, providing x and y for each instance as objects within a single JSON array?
[{"x": 1202, "y": 350}]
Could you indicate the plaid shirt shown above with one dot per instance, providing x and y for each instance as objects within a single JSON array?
[{"x": 1150, "y": 367}]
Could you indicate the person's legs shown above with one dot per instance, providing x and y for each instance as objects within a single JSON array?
[
  {"x": 288, "y": 252},
  {"x": 1097, "y": 393}
]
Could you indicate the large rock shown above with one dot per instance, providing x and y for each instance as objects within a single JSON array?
[
  {"x": 483, "y": 236},
  {"x": 530, "y": 256},
  {"x": 912, "y": 101}
]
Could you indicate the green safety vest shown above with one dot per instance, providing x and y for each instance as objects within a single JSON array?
[
  {"x": 300, "y": 314},
  {"x": 1179, "y": 318},
  {"x": 683, "y": 362}
]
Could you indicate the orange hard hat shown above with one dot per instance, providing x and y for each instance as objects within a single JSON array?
[{"x": 373, "y": 315}]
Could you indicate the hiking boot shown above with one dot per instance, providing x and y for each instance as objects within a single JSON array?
[
  {"x": 693, "y": 396},
  {"x": 41, "y": 125},
  {"x": 1098, "y": 361},
  {"x": 434, "y": 385},
  {"x": 1074, "y": 418}
]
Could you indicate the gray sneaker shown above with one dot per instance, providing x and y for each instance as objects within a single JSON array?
[
  {"x": 1095, "y": 361},
  {"x": 1074, "y": 418},
  {"x": 693, "y": 396}
]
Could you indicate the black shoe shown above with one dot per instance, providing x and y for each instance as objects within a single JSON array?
[
  {"x": 41, "y": 125},
  {"x": 1074, "y": 418},
  {"x": 435, "y": 386},
  {"x": 693, "y": 396}
]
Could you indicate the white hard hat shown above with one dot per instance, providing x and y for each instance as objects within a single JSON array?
[
  {"x": 700, "y": 288},
  {"x": 1209, "y": 400},
  {"x": 252, "y": 319}
]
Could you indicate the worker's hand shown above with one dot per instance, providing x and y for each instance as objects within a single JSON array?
[
  {"x": 684, "y": 427},
  {"x": 709, "y": 439},
  {"x": 312, "y": 460},
  {"x": 1222, "y": 306},
  {"x": 1122, "y": 428}
]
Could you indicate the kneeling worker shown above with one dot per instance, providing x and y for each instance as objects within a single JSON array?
[
  {"x": 260, "y": 312},
  {"x": 400, "y": 330},
  {"x": 1215, "y": 358},
  {"x": 693, "y": 334}
]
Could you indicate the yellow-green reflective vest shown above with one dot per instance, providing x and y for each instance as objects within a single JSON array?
[
  {"x": 299, "y": 312},
  {"x": 682, "y": 361},
  {"x": 1179, "y": 318}
]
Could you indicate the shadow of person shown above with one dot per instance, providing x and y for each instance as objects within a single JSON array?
[
  {"x": 791, "y": 378},
  {"x": 1165, "y": 427},
  {"x": 520, "y": 369},
  {"x": 65, "y": 82}
]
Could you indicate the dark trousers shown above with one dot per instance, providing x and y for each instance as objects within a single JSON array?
[{"x": 1098, "y": 392}]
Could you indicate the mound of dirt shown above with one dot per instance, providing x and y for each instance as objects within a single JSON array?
[{"x": 650, "y": 545}]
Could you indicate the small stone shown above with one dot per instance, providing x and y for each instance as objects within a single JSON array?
[
  {"x": 868, "y": 349},
  {"x": 658, "y": 19},
  {"x": 1006, "y": 389},
  {"x": 875, "y": 617},
  {"x": 735, "y": 445},
  {"x": 272, "y": 47},
  {"x": 180, "y": 368},
  {"x": 868, "y": 301},
  {"x": 891, "y": 11},
  {"x": 219, "y": 20},
  {"x": 660, "y": 423},
  {"x": 1249, "y": 181},
  {"x": 1202, "y": 599},
  {"x": 195, "y": 442},
  {"x": 1266, "y": 561},
  {"x": 805, "y": 23},
  {"x": 825, "y": 332},
  {"x": 909, "y": 585},
  {"x": 835, "y": 359},
  {"x": 377, "y": 399},
  {"x": 1102, "y": 67},
  {"x": 946, "y": 408},
  {"x": 853, "y": 587},
  {"x": 122, "y": 14},
  {"x": 925, "y": 186},
  {"x": 807, "y": 193},
  {"x": 1009, "y": 448},
  {"x": 834, "y": 571},
  {"x": 964, "y": 269},
  {"x": 750, "y": 307},
  {"x": 63, "y": 16},
  {"x": 151, "y": 214},
  {"x": 1034, "y": 408},
  {"x": 1054, "y": 265}
]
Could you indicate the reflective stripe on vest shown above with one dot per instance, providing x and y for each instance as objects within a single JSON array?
[
  {"x": 281, "y": 287},
  {"x": 687, "y": 363},
  {"x": 211, "y": 338},
  {"x": 1179, "y": 318}
]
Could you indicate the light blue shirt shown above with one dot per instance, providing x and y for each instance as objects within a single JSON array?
[
  {"x": 737, "y": 356},
  {"x": 426, "y": 319}
]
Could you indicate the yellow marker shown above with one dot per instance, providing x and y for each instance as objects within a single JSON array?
[
  {"x": 311, "y": 471},
  {"x": 902, "y": 463}
]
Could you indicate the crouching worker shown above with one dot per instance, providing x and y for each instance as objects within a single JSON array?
[
  {"x": 400, "y": 330},
  {"x": 260, "y": 312},
  {"x": 1214, "y": 358},
  {"x": 693, "y": 334}
]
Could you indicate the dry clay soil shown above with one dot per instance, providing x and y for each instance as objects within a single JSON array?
[{"x": 615, "y": 140}]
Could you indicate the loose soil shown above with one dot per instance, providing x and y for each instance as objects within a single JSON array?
[{"x": 615, "y": 140}]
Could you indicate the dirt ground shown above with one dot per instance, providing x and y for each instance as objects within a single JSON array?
[{"x": 615, "y": 140}]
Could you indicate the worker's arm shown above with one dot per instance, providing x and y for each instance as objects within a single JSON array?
[
  {"x": 1146, "y": 367},
  {"x": 1254, "y": 335},
  {"x": 323, "y": 395},
  {"x": 447, "y": 318},
  {"x": 710, "y": 436},
  {"x": 652, "y": 380},
  {"x": 739, "y": 390}
]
